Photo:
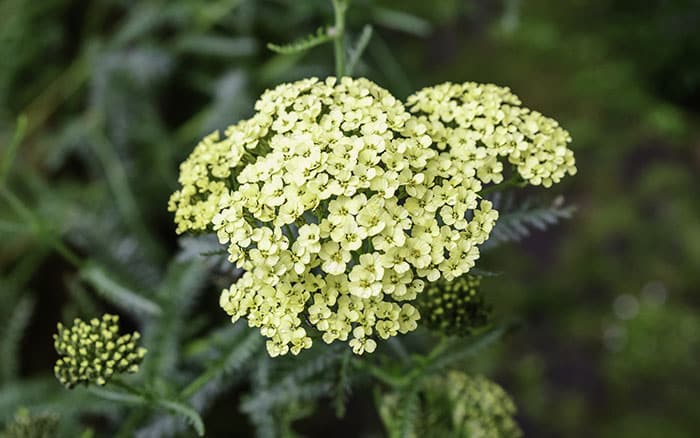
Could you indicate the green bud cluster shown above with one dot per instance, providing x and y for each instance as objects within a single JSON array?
[
  {"x": 26, "y": 425},
  {"x": 481, "y": 408},
  {"x": 456, "y": 307},
  {"x": 93, "y": 352}
]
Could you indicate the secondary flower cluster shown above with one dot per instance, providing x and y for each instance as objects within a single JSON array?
[
  {"x": 339, "y": 204},
  {"x": 479, "y": 124},
  {"x": 28, "y": 425},
  {"x": 453, "y": 405},
  {"x": 454, "y": 307},
  {"x": 480, "y": 407},
  {"x": 92, "y": 352}
]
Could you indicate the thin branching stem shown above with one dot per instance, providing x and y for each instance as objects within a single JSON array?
[
  {"x": 380, "y": 373},
  {"x": 339, "y": 8},
  {"x": 40, "y": 228},
  {"x": 9, "y": 156}
]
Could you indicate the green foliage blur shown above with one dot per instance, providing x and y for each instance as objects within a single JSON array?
[{"x": 113, "y": 94}]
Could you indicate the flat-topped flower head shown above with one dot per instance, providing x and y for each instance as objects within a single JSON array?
[
  {"x": 339, "y": 205},
  {"x": 94, "y": 352}
]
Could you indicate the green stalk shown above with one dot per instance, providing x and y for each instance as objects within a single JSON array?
[
  {"x": 512, "y": 182},
  {"x": 9, "y": 155},
  {"x": 199, "y": 383},
  {"x": 380, "y": 374},
  {"x": 117, "y": 181},
  {"x": 39, "y": 228},
  {"x": 339, "y": 7}
]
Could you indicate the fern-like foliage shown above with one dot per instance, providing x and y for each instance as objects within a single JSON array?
[
  {"x": 11, "y": 338},
  {"x": 359, "y": 48},
  {"x": 42, "y": 395},
  {"x": 8, "y": 156},
  {"x": 142, "y": 399},
  {"x": 26, "y": 425},
  {"x": 119, "y": 295},
  {"x": 175, "y": 295},
  {"x": 516, "y": 223},
  {"x": 400, "y": 411},
  {"x": 321, "y": 36},
  {"x": 281, "y": 390},
  {"x": 206, "y": 247},
  {"x": 456, "y": 349},
  {"x": 343, "y": 384},
  {"x": 187, "y": 412},
  {"x": 241, "y": 345},
  {"x": 409, "y": 405}
]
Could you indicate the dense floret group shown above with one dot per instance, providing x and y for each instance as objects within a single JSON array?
[
  {"x": 454, "y": 307},
  {"x": 480, "y": 407},
  {"x": 93, "y": 352},
  {"x": 482, "y": 123},
  {"x": 339, "y": 204}
]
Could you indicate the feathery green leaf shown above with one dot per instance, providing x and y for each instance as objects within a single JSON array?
[
  {"x": 518, "y": 224},
  {"x": 321, "y": 36},
  {"x": 232, "y": 359},
  {"x": 11, "y": 338},
  {"x": 117, "y": 294},
  {"x": 359, "y": 49},
  {"x": 409, "y": 411},
  {"x": 402, "y": 21},
  {"x": 9, "y": 155},
  {"x": 458, "y": 349},
  {"x": 185, "y": 411},
  {"x": 176, "y": 294}
]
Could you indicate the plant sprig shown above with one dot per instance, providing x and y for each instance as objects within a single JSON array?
[{"x": 321, "y": 36}]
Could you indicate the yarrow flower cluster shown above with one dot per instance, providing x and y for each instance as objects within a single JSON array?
[
  {"x": 28, "y": 425},
  {"x": 93, "y": 352},
  {"x": 340, "y": 204},
  {"x": 454, "y": 307},
  {"x": 480, "y": 407},
  {"x": 454, "y": 405}
]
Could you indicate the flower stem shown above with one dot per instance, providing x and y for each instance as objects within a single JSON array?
[
  {"x": 514, "y": 181},
  {"x": 380, "y": 374},
  {"x": 119, "y": 383},
  {"x": 339, "y": 7}
]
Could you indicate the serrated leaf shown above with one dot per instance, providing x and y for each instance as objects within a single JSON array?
[
  {"x": 409, "y": 411},
  {"x": 303, "y": 44},
  {"x": 8, "y": 156},
  {"x": 192, "y": 416},
  {"x": 359, "y": 49},
  {"x": 231, "y": 359},
  {"x": 459, "y": 349},
  {"x": 176, "y": 294},
  {"x": 213, "y": 45},
  {"x": 402, "y": 21},
  {"x": 11, "y": 337},
  {"x": 518, "y": 224},
  {"x": 342, "y": 386},
  {"x": 119, "y": 295}
]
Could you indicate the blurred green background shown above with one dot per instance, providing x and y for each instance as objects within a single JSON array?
[{"x": 116, "y": 93}]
